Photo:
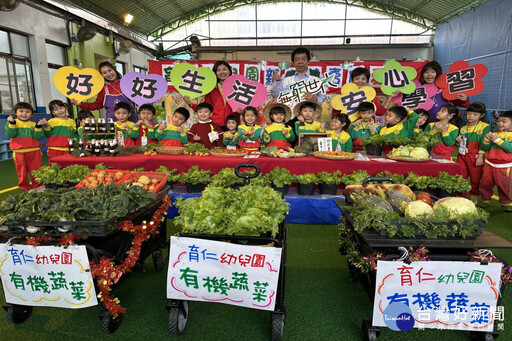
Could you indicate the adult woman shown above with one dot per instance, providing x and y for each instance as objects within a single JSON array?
[
  {"x": 110, "y": 94},
  {"x": 221, "y": 108},
  {"x": 428, "y": 75}
]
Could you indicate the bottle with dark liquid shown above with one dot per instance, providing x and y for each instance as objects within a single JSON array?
[
  {"x": 102, "y": 126},
  {"x": 81, "y": 144},
  {"x": 106, "y": 148},
  {"x": 87, "y": 125},
  {"x": 97, "y": 149},
  {"x": 111, "y": 125},
  {"x": 113, "y": 147},
  {"x": 93, "y": 126},
  {"x": 71, "y": 145}
]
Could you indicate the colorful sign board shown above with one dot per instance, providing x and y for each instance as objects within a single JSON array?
[
  {"x": 241, "y": 92},
  {"x": 395, "y": 77},
  {"x": 462, "y": 78},
  {"x": 192, "y": 81},
  {"x": 421, "y": 98},
  {"x": 351, "y": 97},
  {"x": 142, "y": 88},
  {"x": 78, "y": 84}
]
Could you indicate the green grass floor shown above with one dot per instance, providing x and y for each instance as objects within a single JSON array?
[{"x": 322, "y": 303}]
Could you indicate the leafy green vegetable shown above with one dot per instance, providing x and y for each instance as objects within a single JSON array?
[
  {"x": 399, "y": 178},
  {"x": 196, "y": 147},
  {"x": 194, "y": 176},
  {"x": 101, "y": 166},
  {"x": 307, "y": 178},
  {"x": 329, "y": 178},
  {"x": 140, "y": 169},
  {"x": 55, "y": 175},
  {"x": 280, "y": 177},
  {"x": 260, "y": 180},
  {"x": 450, "y": 183},
  {"x": 226, "y": 177},
  {"x": 355, "y": 178},
  {"x": 170, "y": 173}
]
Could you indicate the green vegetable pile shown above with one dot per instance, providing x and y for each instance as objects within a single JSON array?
[
  {"x": 226, "y": 177},
  {"x": 55, "y": 175},
  {"x": 449, "y": 183},
  {"x": 280, "y": 177},
  {"x": 170, "y": 173},
  {"x": 355, "y": 178},
  {"x": 194, "y": 176},
  {"x": 252, "y": 210},
  {"x": 191, "y": 148},
  {"x": 70, "y": 204},
  {"x": 329, "y": 178},
  {"x": 421, "y": 139},
  {"x": 307, "y": 178}
]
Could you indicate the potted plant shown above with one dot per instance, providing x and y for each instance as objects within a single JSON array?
[
  {"x": 373, "y": 145},
  {"x": 328, "y": 182},
  {"x": 306, "y": 183},
  {"x": 195, "y": 179},
  {"x": 170, "y": 174},
  {"x": 447, "y": 185},
  {"x": 280, "y": 179},
  {"x": 226, "y": 177}
]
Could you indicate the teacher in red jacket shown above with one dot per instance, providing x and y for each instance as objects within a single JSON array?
[{"x": 221, "y": 108}]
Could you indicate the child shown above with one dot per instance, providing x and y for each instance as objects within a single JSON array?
[
  {"x": 84, "y": 115},
  {"x": 205, "y": 131},
  {"x": 230, "y": 139},
  {"x": 422, "y": 121},
  {"x": 307, "y": 113},
  {"x": 398, "y": 122},
  {"x": 128, "y": 129},
  {"x": 364, "y": 126},
  {"x": 341, "y": 140},
  {"x": 174, "y": 135},
  {"x": 25, "y": 136},
  {"x": 249, "y": 133},
  {"x": 60, "y": 129},
  {"x": 471, "y": 154},
  {"x": 449, "y": 132},
  {"x": 146, "y": 125},
  {"x": 498, "y": 163},
  {"x": 278, "y": 134},
  {"x": 361, "y": 76}
]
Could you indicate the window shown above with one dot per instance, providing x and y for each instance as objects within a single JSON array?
[
  {"x": 120, "y": 67},
  {"x": 140, "y": 70},
  {"x": 56, "y": 56},
  {"x": 16, "y": 84}
]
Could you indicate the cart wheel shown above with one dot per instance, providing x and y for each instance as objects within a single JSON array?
[
  {"x": 277, "y": 327},
  {"x": 369, "y": 332},
  {"x": 158, "y": 261},
  {"x": 16, "y": 313},
  {"x": 178, "y": 317},
  {"x": 481, "y": 336},
  {"x": 109, "y": 324}
]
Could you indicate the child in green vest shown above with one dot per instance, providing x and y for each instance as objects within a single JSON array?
[
  {"x": 446, "y": 115},
  {"x": 25, "y": 136},
  {"x": 364, "y": 126},
  {"x": 341, "y": 140},
  {"x": 128, "y": 129},
  {"x": 174, "y": 135},
  {"x": 60, "y": 129},
  {"x": 398, "y": 122},
  {"x": 230, "y": 136},
  {"x": 278, "y": 133},
  {"x": 307, "y": 114}
]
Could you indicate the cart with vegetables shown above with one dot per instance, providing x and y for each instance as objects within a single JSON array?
[
  {"x": 119, "y": 226},
  {"x": 231, "y": 249},
  {"x": 385, "y": 221}
]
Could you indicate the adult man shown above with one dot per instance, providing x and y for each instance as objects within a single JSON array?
[{"x": 300, "y": 58}]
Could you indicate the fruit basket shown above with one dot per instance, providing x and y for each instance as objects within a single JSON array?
[{"x": 150, "y": 181}]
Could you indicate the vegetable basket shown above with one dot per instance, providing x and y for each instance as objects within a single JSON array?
[
  {"x": 95, "y": 173},
  {"x": 157, "y": 179},
  {"x": 170, "y": 150}
]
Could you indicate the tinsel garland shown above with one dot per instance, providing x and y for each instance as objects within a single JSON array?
[{"x": 488, "y": 257}]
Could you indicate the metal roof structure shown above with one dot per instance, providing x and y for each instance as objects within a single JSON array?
[{"x": 154, "y": 18}]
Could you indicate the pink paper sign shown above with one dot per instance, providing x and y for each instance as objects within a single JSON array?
[
  {"x": 241, "y": 92},
  {"x": 143, "y": 89},
  {"x": 421, "y": 98}
]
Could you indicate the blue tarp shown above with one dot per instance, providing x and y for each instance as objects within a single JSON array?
[{"x": 481, "y": 36}]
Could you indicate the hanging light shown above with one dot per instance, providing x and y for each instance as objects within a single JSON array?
[{"x": 128, "y": 18}]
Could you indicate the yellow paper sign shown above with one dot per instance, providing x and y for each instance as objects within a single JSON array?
[
  {"x": 350, "y": 98},
  {"x": 78, "y": 84}
]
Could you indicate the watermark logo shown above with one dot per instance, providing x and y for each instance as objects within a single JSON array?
[{"x": 398, "y": 317}]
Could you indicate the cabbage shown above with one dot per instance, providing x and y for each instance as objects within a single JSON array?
[
  {"x": 418, "y": 209},
  {"x": 457, "y": 206},
  {"x": 419, "y": 153},
  {"x": 404, "y": 151}
]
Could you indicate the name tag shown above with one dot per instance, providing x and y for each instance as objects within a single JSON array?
[
  {"x": 231, "y": 147},
  {"x": 213, "y": 136},
  {"x": 143, "y": 141}
]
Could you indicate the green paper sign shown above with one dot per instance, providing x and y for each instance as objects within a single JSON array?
[
  {"x": 395, "y": 77},
  {"x": 192, "y": 81}
]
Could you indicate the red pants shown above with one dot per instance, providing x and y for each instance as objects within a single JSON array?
[
  {"x": 171, "y": 143},
  {"x": 467, "y": 165},
  {"x": 496, "y": 176},
  {"x": 52, "y": 153},
  {"x": 25, "y": 163}
]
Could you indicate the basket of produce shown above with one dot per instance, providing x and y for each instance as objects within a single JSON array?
[
  {"x": 228, "y": 152},
  {"x": 409, "y": 154},
  {"x": 335, "y": 155},
  {"x": 273, "y": 151},
  {"x": 150, "y": 181},
  {"x": 170, "y": 150},
  {"x": 394, "y": 211},
  {"x": 102, "y": 176}
]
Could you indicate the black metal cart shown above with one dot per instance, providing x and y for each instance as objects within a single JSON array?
[
  {"x": 450, "y": 249},
  {"x": 103, "y": 240},
  {"x": 179, "y": 309}
]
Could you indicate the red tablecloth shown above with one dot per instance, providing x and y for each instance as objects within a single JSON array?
[{"x": 309, "y": 164}]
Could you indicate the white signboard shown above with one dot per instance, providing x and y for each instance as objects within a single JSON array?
[
  {"x": 47, "y": 276},
  {"x": 212, "y": 271},
  {"x": 441, "y": 295}
]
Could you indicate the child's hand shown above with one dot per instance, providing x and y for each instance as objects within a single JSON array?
[
  {"x": 463, "y": 97},
  {"x": 196, "y": 138},
  {"x": 276, "y": 75},
  {"x": 323, "y": 125},
  {"x": 311, "y": 97},
  {"x": 266, "y": 136},
  {"x": 284, "y": 131},
  {"x": 162, "y": 127},
  {"x": 358, "y": 122},
  {"x": 251, "y": 132},
  {"x": 479, "y": 160},
  {"x": 187, "y": 100},
  {"x": 491, "y": 137},
  {"x": 126, "y": 126},
  {"x": 245, "y": 133},
  {"x": 73, "y": 101},
  {"x": 42, "y": 122},
  {"x": 444, "y": 128},
  {"x": 458, "y": 139},
  {"x": 300, "y": 118},
  {"x": 11, "y": 119},
  {"x": 179, "y": 130},
  {"x": 139, "y": 122}
]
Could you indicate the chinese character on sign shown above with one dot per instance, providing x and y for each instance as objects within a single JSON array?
[
  {"x": 243, "y": 260},
  {"x": 209, "y": 255},
  {"x": 20, "y": 258},
  {"x": 477, "y": 276},
  {"x": 258, "y": 261},
  {"x": 446, "y": 278},
  {"x": 479, "y": 313},
  {"x": 260, "y": 291},
  {"x": 427, "y": 301},
  {"x": 405, "y": 275},
  {"x": 396, "y": 79},
  {"x": 396, "y": 297},
  {"x": 143, "y": 87},
  {"x": 218, "y": 285},
  {"x": 38, "y": 283},
  {"x": 424, "y": 276},
  {"x": 352, "y": 101},
  {"x": 455, "y": 301},
  {"x": 79, "y": 84},
  {"x": 243, "y": 93},
  {"x": 41, "y": 259},
  {"x": 239, "y": 281},
  {"x": 191, "y": 78},
  {"x": 414, "y": 99},
  {"x": 337, "y": 72},
  {"x": 228, "y": 259},
  {"x": 58, "y": 280},
  {"x": 17, "y": 280},
  {"x": 190, "y": 277},
  {"x": 462, "y": 80},
  {"x": 77, "y": 289},
  {"x": 193, "y": 254},
  {"x": 66, "y": 258},
  {"x": 462, "y": 276}
]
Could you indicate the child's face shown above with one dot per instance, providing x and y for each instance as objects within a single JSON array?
[
  {"x": 421, "y": 121},
  {"x": 308, "y": 114},
  {"x": 87, "y": 119},
  {"x": 360, "y": 80},
  {"x": 391, "y": 118},
  {"x": 366, "y": 116},
  {"x": 108, "y": 73},
  {"x": 249, "y": 117},
  {"x": 146, "y": 115},
  {"x": 429, "y": 76},
  {"x": 504, "y": 123},
  {"x": 177, "y": 119},
  {"x": 443, "y": 114},
  {"x": 60, "y": 112},
  {"x": 473, "y": 117},
  {"x": 278, "y": 117},
  {"x": 231, "y": 125},
  {"x": 23, "y": 114},
  {"x": 204, "y": 114},
  {"x": 122, "y": 115},
  {"x": 336, "y": 124}
]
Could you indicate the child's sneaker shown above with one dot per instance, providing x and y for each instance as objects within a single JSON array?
[
  {"x": 474, "y": 199},
  {"x": 506, "y": 208},
  {"x": 483, "y": 203}
]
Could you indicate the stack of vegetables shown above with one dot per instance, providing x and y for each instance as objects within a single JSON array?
[{"x": 252, "y": 210}]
